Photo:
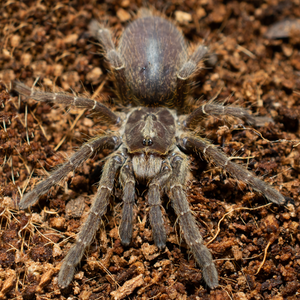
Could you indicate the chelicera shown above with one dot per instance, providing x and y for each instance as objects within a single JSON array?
[{"x": 152, "y": 72}]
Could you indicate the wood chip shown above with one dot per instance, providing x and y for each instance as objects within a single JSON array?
[
  {"x": 183, "y": 17},
  {"x": 128, "y": 287},
  {"x": 123, "y": 15}
]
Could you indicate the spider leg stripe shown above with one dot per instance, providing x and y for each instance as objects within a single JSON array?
[
  {"x": 113, "y": 56},
  {"x": 187, "y": 222},
  {"x": 128, "y": 183},
  {"x": 222, "y": 160},
  {"x": 204, "y": 150},
  {"x": 75, "y": 161},
  {"x": 215, "y": 109},
  {"x": 190, "y": 66},
  {"x": 67, "y": 99},
  {"x": 88, "y": 231},
  {"x": 105, "y": 38},
  {"x": 92, "y": 149},
  {"x": 106, "y": 187},
  {"x": 155, "y": 214},
  {"x": 176, "y": 185},
  {"x": 226, "y": 163}
]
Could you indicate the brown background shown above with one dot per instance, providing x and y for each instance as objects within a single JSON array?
[{"x": 50, "y": 40}]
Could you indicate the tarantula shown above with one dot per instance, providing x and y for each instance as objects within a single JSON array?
[{"x": 152, "y": 71}]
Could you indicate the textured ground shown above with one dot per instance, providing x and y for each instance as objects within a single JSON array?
[{"x": 255, "y": 244}]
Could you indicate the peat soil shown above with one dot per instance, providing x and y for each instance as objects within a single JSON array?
[{"x": 254, "y": 62}]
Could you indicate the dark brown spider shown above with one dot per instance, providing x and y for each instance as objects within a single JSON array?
[{"x": 151, "y": 68}]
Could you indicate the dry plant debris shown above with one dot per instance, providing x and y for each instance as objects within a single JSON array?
[{"x": 257, "y": 251}]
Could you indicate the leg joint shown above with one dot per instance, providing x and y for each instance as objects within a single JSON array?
[
  {"x": 95, "y": 104},
  {"x": 178, "y": 185},
  {"x": 204, "y": 150},
  {"x": 118, "y": 158},
  {"x": 226, "y": 162},
  {"x": 92, "y": 149}
]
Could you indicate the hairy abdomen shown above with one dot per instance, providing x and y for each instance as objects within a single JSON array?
[{"x": 154, "y": 50}]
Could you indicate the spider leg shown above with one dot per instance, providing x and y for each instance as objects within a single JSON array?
[
  {"x": 214, "y": 109},
  {"x": 222, "y": 160},
  {"x": 128, "y": 183},
  {"x": 187, "y": 222},
  {"x": 187, "y": 70},
  {"x": 156, "y": 219},
  {"x": 67, "y": 99},
  {"x": 113, "y": 56},
  {"x": 111, "y": 142},
  {"x": 91, "y": 225}
]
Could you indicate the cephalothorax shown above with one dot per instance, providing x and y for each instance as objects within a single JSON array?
[{"x": 151, "y": 69}]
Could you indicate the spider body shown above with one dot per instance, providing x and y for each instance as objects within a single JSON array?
[{"x": 151, "y": 69}]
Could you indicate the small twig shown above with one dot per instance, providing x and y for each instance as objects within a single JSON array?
[
  {"x": 12, "y": 171},
  {"x": 107, "y": 271},
  {"x": 246, "y": 51},
  {"x": 26, "y": 125},
  {"x": 243, "y": 258},
  {"x": 224, "y": 289},
  {"x": 27, "y": 182},
  {"x": 277, "y": 141},
  {"x": 224, "y": 216},
  {"x": 4, "y": 126},
  {"x": 240, "y": 157},
  {"x": 265, "y": 256}
]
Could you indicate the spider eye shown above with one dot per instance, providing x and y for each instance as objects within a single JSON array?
[{"x": 147, "y": 141}]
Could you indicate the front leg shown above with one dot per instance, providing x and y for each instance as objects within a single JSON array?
[
  {"x": 192, "y": 236},
  {"x": 90, "y": 227}
]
